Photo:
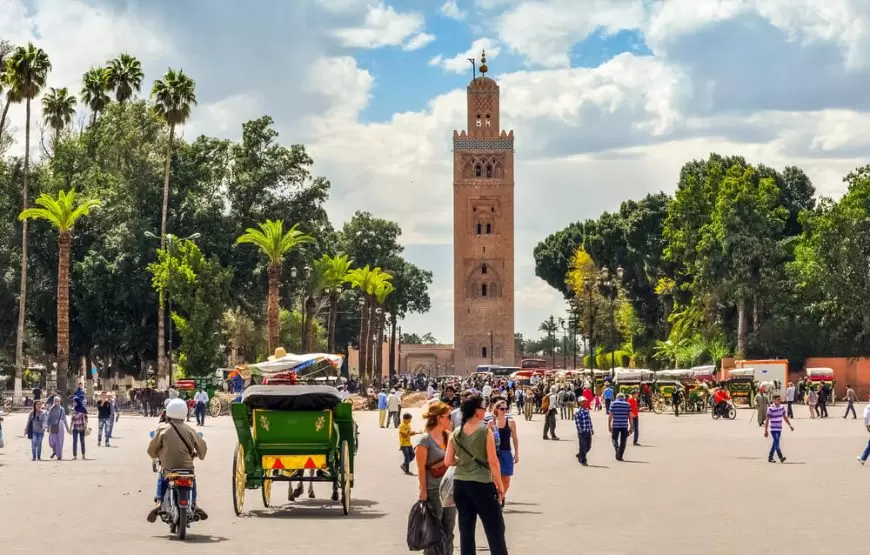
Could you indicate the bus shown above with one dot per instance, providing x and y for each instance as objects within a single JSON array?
[
  {"x": 535, "y": 363},
  {"x": 496, "y": 370}
]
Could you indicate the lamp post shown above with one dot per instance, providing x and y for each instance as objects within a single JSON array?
[
  {"x": 491, "y": 355},
  {"x": 170, "y": 241},
  {"x": 564, "y": 327},
  {"x": 611, "y": 283}
]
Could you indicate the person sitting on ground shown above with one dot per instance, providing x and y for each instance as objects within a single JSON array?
[{"x": 175, "y": 444}]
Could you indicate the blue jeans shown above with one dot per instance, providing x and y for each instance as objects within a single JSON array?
[
  {"x": 636, "y": 430},
  {"x": 104, "y": 424},
  {"x": 866, "y": 452},
  {"x": 850, "y": 406},
  {"x": 36, "y": 445},
  {"x": 774, "y": 447},
  {"x": 199, "y": 411},
  {"x": 408, "y": 453},
  {"x": 80, "y": 435},
  {"x": 161, "y": 488}
]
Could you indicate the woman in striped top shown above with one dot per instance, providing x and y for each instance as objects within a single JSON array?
[{"x": 775, "y": 416}]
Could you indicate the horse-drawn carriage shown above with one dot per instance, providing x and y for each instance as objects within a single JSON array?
[
  {"x": 742, "y": 386},
  {"x": 823, "y": 377},
  {"x": 285, "y": 429}
]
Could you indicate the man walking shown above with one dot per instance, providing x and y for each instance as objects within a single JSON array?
[
  {"x": 773, "y": 424},
  {"x": 863, "y": 457},
  {"x": 822, "y": 403},
  {"x": 619, "y": 424},
  {"x": 200, "y": 403},
  {"x": 789, "y": 399},
  {"x": 608, "y": 398},
  {"x": 584, "y": 430},
  {"x": 676, "y": 399},
  {"x": 104, "y": 419},
  {"x": 550, "y": 418},
  {"x": 851, "y": 397},
  {"x": 382, "y": 406},
  {"x": 635, "y": 416},
  {"x": 394, "y": 406}
]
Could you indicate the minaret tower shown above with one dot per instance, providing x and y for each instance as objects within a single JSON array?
[{"x": 483, "y": 232}]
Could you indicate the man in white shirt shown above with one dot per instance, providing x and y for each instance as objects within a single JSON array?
[
  {"x": 789, "y": 399},
  {"x": 866, "y": 453},
  {"x": 343, "y": 393},
  {"x": 394, "y": 406},
  {"x": 200, "y": 403},
  {"x": 487, "y": 393}
]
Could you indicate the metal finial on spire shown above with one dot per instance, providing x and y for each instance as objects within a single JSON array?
[
  {"x": 483, "y": 66},
  {"x": 473, "y": 68}
]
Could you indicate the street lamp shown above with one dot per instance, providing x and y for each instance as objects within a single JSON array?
[
  {"x": 564, "y": 342},
  {"x": 170, "y": 241},
  {"x": 491, "y": 355},
  {"x": 362, "y": 312},
  {"x": 612, "y": 286}
]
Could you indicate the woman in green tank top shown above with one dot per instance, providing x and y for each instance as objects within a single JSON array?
[{"x": 477, "y": 486}]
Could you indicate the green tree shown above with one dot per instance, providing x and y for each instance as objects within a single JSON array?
[
  {"x": 124, "y": 76},
  {"x": 173, "y": 96},
  {"x": 62, "y": 213},
  {"x": 241, "y": 335},
  {"x": 336, "y": 269},
  {"x": 25, "y": 74},
  {"x": 6, "y": 49},
  {"x": 58, "y": 108},
  {"x": 275, "y": 243},
  {"x": 94, "y": 93}
]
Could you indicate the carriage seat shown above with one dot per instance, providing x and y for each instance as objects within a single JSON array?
[{"x": 291, "y": 397}]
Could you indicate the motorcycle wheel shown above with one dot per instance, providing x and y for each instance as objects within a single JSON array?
[
  {"x": 715, "y": 414},
  {"x": 732, "y": 413},
  {"x": 181, "y": 529}
]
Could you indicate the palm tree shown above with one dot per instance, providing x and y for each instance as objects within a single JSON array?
[
  {"x": 368, "y": 280},
  {"x": 62, "y": 213},
  {"x": 6, "y": 49},
  {"x": 241, "y": 334},
  {"x": 549, "y": 326},
  {"x": 311, "y": 304},
  {"x": 58, "y": 108},
  {"x": 25, "y": 74},
  {"x": 95, "y": 88},
  {"x": 382, "y": 291},
  {"x": 275, "y": 244},
  {"x": 336, "y": 270},
  {"x": 173, "y": 96},
  {"x": 124, "y": 76}
]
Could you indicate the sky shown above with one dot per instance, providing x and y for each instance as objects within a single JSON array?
[{"x": 607, "y": 98}]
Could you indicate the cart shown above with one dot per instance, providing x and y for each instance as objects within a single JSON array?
[
  {"x": 741, "y": 385},
  {"x": 824, "y": 377}
]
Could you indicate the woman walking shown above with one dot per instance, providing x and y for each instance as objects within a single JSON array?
[
  {"x": 477, "y": 487},
  {"x": 35, "y": 429},
  {"x": 57, "y": 428},
  {"x": 507, "y": 431},
  {"x": 812, "y": 399},
  {"x": 79, "y": 425},
  {"x": 431, "y": 469}
]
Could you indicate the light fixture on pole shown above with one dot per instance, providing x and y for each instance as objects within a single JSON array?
[{"x": 491, "y": 354}]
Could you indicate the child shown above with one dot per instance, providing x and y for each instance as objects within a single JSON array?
[
  {"x": 405, "y": 433},
  {"x": 597, "y": 402}
]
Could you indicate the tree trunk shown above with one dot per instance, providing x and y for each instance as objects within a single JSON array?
[
  {"x": 379, "y": 347},
  {"x": 161, "y": 313},
  {"x": 756, "y": 313},
  {"x": 272, "y": 307},
  {"x": 333, "y": 317},
  {"x": 741, "y": 328},
  {"x": 373, "y": 326},
  {"x": 311, "y": 334},
  {"x": 3, "y": 117},
  {"x": 22, "y": 298},
  {"x": 63, "y": 311},
  {"x": 303, "y": 323},
  {"x": 363, "y": 328},
  {"x": 392, "y": 366}
]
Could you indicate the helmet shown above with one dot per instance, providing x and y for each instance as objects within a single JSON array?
[{"x": 176, "y": 409}]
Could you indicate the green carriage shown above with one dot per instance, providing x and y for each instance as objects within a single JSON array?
[{"x": 286, "y": 430}]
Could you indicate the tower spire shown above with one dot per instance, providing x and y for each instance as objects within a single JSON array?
[{"x": 483, "y": 67}]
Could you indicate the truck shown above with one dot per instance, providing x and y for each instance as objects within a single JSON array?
[{"x": 774, "y": 371}]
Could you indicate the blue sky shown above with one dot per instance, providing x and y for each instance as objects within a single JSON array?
[{"x": 608, "y": 98}]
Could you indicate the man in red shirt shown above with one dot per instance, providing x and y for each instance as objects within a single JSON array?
[{"x": 634, "y": 414}]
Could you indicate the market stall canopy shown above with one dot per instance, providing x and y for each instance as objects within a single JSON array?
[
  {"x": 820, "y": 374},
  {"x": 741, "y": 373},
  {"x": 675, "y": 374},
  {"x": 704, "y": 373},
  {"x": 303, "y": 365},
  {"x": 633, "y": 374}
]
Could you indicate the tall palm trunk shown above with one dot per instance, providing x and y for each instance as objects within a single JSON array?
[
  {"x": 741, "y": 327},
  {"x": 64, "y": 241},
  {"x": 312, "y": 332},
  {"x": 22, "y": 299},
  {"x": 391, "y": 368},
  {"x": 272, "y": 307},
  {"x": 161, "y": 313},
  {"x": 3, "y": 117},
  {"x": 379, "y": 346},
  {"x": 373, "y": 322},
  {"x": 363, "y": 343},
  {"x": 333, "y": 317}
]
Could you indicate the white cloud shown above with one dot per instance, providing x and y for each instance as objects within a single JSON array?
[
  {"x": 451, "y": 9},
  {"x": 418, "y": 41},
  {"x": 384, "y": 26},
  {"x": 459, "y": 62}
]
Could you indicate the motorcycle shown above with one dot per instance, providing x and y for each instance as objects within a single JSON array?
[
  {"x": 177, "y": 508},
  {"x": 724, "y": 409}
]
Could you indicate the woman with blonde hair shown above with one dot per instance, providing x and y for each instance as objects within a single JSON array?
[{"x": 431, "y": 468}]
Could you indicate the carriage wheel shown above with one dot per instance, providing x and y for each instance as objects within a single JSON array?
[
  {"x": 658, "y": 404},
  {"x": 239, "y": 479},
  {"x": 345, "y": 477},
  {"x": 214, "y": 407},
  {"x": 266, "y": 490}
]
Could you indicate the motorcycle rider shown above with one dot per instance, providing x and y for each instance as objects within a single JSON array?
[
  {"x": 175, "y": 444},
  {"x": 721, "y": 400}
]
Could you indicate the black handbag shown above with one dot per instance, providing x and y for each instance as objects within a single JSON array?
[{"x": 424, "y": 528}]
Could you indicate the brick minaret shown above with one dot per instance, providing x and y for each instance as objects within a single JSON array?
[{"x": 483, "y": 232}]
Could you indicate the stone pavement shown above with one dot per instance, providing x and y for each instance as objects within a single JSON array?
[{"x": 695, "y": 486}]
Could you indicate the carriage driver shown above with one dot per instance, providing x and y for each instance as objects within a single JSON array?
[{"x": 175, "y": 444}]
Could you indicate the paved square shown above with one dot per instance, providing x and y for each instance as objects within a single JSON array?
[{"x": 695, "y": 486}]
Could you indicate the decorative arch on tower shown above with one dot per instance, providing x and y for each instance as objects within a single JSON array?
[{"x": 483, "y": 282}]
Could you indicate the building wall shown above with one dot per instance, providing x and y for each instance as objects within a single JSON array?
[
  {"x": 854, "y": 371},
  {"x": 483, "y": 232}
]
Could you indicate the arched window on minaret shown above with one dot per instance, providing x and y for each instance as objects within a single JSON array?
[
  {"x": 478, "y": 120},
  {"x": 488, "y": 229},
  {"x": 483, "y": 269},
  {"x": 488, "y": 170},
  {"x": 484, "y": 290},
  {"x": 477, "y": 170},
  {"x": 483, "y": 352},
  {"x": 479, "y": 227},
  {"x": 488, "y": 123}
]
